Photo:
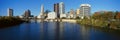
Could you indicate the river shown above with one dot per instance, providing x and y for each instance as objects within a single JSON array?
[{"x": 56, "y": 31}]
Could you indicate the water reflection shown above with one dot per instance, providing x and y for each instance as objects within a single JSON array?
[
  {"x": 56, "y": 31},
  {"x": 25, "y": 31},
  {"x": 61, "y": 30},
  {"x": 85, "y": 33},
  {"x": 51, "y": 30}
]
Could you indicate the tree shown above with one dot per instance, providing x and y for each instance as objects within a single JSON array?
[
  {"x": 96, "y": 15},
  {"x": 118, "y": 15},
  {"x": 108, "y": 15},
  {"x": 77, "y": 17}
]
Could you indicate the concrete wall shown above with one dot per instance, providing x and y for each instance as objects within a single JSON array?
[{"x": 69, "y": 20}]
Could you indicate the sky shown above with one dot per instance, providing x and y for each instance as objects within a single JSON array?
[{"x": 19, "y": 6}]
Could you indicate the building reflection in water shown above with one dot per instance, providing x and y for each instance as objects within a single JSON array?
[
  {"x": 56, "y": 31},
  {"x": 85, "y": 33},
  {"x": 41, "y": 30},
  {"x": 62, "y": 31},
  {"x": 59, "y": 31},
  {"x": 51, "y": 30}
]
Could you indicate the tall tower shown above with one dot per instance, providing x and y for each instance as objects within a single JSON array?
[
  {"x": 85, "y": 10},
  {"x": 61, "y": 8},
  {"x": 10, "y": 12},
  {"x": 42, "y": 10},
  {"x": 56, "y": 9},
  {"x": 27, "y": 13}
]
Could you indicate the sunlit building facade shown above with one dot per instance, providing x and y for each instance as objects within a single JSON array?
[
  {"x": 78, "y": 12},
  {"x": 61, "y": 9},
  {"x": 52, "y": 15},
  {"x": 72, "y": 12},
  {"x": 41, "y": 15},
  {"x": 85, "y": 10},
  {"x": 10, "y": 12}
]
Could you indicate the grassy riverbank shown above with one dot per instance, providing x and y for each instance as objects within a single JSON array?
[
  {"x": 109, "y": 20},
  {"x": 9, "y": 21},
  {"x": 100, "y": 23}
]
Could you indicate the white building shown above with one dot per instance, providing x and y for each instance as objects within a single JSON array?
[
  {"x": 52, "y": 15},
  {"x": 41, "y": 13},
  {"x": 63, "y": 15},
  {"x": 61, "y": 9},
  {"x": 85, "y": 10},
  {"x": 69, "y": 15},
  {"x": 72, "y": 13}
]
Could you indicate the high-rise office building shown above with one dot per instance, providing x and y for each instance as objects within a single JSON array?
[
  {"x": 27, "y": 14},
  {"x": 56, "y": 9},
  {"x": 61, "y": 8},
  {"x": 10, "y": 12},
  {"x": 85, "y": 10}
]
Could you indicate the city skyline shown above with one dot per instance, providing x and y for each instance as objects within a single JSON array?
[{"x": 34, "y": 5}]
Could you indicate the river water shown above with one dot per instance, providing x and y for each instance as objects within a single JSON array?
[{"x": 56, "y": 31}]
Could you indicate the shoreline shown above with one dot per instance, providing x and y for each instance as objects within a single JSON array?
[
  {"x": 99, "y": 24},
  {"x": 10, "y": 21},
  {"x": 69, "y": 20}
]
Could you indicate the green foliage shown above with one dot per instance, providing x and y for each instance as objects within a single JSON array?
[
  {"x": 115, "y": 24},
  {"x": 103, "y": 15},
  {"x": 101, "y": 23},
  {"x": 63, "y": 17},
  {"x": 77, "y": 17},
  {"x": 103, "y": 19}
]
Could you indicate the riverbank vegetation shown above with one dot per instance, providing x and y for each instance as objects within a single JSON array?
[
  {"x": 103, "y": 19},
  {"x": 9, "y": 21}
]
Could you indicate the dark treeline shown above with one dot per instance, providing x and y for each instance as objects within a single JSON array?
[{"x": 9, "y": 21}]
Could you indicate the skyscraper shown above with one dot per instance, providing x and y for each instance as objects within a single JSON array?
[
  {"x": 10, "y": 12},
  {"x": 85, "y": 10},
  {"x": 41, "y": 12},
  {"x": 61, "y": 8},
  {"x": 27, "y": 13},
  {"x": 56, "y": 9}
]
